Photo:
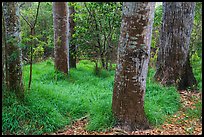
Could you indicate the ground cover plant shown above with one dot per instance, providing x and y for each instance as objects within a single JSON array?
[{"x": 56, "y": 100}]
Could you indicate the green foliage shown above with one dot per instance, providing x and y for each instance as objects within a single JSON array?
[
  {"x": 158, "y": 16},
  {"x": 97, "y": 28},
  {"x": 155, "y": 34},
  {"x": 44, "y": 34},
  {"x": 196, "y": 45},
  {"x": 52, "y": 103}
]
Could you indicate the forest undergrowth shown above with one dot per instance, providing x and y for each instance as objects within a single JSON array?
[{"x": 56, "y": 100}]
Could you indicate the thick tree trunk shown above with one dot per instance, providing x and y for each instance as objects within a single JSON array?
[
  {"x": 12, "y": 30},
  {"x": 132, "y": 65},
  {"x": 174, "y": 44},
  {"x": 61, "y": 28},
  {"x": 72, "y": 31}
]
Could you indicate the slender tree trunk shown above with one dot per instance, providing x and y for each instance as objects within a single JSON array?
[
  {"x": 107, "y": 60},
  {"x": 102, "y": 61},
  {"x": 174, "y": 45},
  {"x": 3, "y": 50},
  {"x": 12, "y": 30},
  {"x": 32, "y": 43},
  {"x": 132, "y": 65},
  {"x": 61, "y": 28},
  {"x": 72, "y": 31},
  {"x": 31, "y": 57},
  {"x": 4, "y": 54}
]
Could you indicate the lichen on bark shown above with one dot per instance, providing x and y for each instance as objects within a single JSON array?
[
  {"x": 13, "y": 39},
  {"x": 132, "y": 65}
]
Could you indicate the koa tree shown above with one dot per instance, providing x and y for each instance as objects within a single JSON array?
[
  {"x": 61, "y": 28},
  {"x": 173, "y": 65},
  {"x": 12, "y": 38},
  {"x": 132, "y": 65}
]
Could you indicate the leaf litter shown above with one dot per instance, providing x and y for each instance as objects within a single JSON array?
[{"x": 178, "y": 124}]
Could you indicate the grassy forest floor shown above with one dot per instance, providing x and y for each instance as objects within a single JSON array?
[
  {"x": 183, "y": 122},
  {"x": 81, "y": 104}
]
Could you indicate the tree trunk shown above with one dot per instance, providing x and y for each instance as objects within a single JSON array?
[
  {"x": 72, "y": 31},
  {"x": 12, "y": 30},
  {"x": 174, "y": 44},
  {"x": 188, "y": 79},
  {"x": 31, "y": 57},
  {"x": 3, "y": 50},
  {"x": 103, "y": 61},
  {"x": 107, "y": 60},
  {"x": 4, "y": 54},
  {"x": 61, "y": 28},
  {"x": 132, "y": 65}
]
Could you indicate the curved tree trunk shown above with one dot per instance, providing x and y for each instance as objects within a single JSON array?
[
  {"x": 61, "y": 45},
  {"x": 12, "y": 30},
  {"x": 174, "y": 45},
  {"x": 132, "y": 65}
]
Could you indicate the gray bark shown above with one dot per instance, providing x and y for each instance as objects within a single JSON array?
[
  {"x": 132, "y": 65},
  {"x": 12, "y": 30},
  {"x": 61, "y": 28},
  {"x": 172, "y": 62}
]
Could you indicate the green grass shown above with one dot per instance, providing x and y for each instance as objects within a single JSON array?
[
  {"x": 55, "y": 100},
  {"x": 195, "y": 112},
  {"x": 160, "y": 101}
]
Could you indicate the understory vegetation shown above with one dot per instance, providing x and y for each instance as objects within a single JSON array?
[{"x": 56, "y": 100}]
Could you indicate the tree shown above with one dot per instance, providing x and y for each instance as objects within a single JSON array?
[
  {"x": 72, "y": 47},
  {"x": 3, "y": 51},
  {"x": 173, "y": 65},
  {"x": 43, "y": 39},
  {"x": 32, "y": 43},
  {"x": 132, "y": 65},
  {"x": 61, "y": 45},
  {"x": 14, "y": 60},
  {"x": 97, "y": 31}
]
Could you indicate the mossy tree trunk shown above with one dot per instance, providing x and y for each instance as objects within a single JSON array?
[
  {"x": 12, "y": 31},
  {"x": 61, "y": 28},
  {"x": 173, "y": 66},
  {"x": 132, "y": 65}
]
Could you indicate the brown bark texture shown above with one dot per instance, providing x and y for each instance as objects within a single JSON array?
[
  {"x": 61, "y": 28},
  {"x": 14, "y": 61},
  {"x": 72, "y": 50},
  {"x": 132, "y": 65},
  {"x": 172, "y": 66}
]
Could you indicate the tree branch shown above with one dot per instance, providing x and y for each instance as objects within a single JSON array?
[
  {"x": 36, "y": 14},
  {"x": 25, "y": 20}
]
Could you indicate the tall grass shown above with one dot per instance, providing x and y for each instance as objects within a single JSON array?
[{"x": 55, "y": 100}]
